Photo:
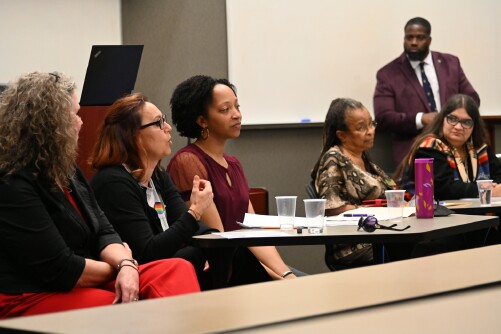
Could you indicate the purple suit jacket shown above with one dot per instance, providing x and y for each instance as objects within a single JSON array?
[{"x": 399, "y": 96}]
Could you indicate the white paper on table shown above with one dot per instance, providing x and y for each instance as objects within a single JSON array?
[
  {"x": 252, "y": 220},
  {"x": 342, "y": 221},
  {"x": 381, "y": 213},
  {"x": 468, "y": 201},
  {"x": 452, "y": 205},
  {"x": 251, "y": 234}
]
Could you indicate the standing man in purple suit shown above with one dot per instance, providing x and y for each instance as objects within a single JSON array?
[{"x": 412, "y": 88}]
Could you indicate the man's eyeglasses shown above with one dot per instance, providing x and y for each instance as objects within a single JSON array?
[
  {"x": 465, "y": 123},
  {"x": 160, "y": 123},
  {"x": 370, "y": 224}
]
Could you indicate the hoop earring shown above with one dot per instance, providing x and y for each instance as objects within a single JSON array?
[{"x": 204, "y": 134}]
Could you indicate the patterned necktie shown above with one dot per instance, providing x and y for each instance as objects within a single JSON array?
[{"x": 427, "y": 89}]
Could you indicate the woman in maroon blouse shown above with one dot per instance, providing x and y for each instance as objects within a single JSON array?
[{"x": 207, "y": 109}]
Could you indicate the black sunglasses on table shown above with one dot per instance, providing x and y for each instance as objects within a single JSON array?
[{"x": 370, "y": 224}]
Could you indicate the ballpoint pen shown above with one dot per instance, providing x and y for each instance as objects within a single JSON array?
[{"x": 357, "y": 214}]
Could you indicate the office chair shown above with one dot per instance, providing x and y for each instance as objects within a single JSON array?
[{"x": 259, "y": 199}]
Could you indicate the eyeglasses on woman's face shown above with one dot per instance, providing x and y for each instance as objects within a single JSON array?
[
  {"x": 160, "y": 123},
  {"x": 465, "y": 123},
  {"x": 366, "y": 127}
]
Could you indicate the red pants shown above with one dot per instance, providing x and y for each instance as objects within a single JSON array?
[{"x": 157, "y": 279}]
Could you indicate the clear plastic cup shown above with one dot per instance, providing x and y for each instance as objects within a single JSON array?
[
  {"x": 286, "y": 209},
  {"x": 315, "y": 215},
  {"x": 395, "y": 203},
  {"x": 484, "y": 192}
]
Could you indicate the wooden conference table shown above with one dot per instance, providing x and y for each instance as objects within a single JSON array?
[{"x": 458, "y": 292}]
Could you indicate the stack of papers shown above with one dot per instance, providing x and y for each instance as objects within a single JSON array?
[
  {"x": 252, "y": 220},
  {"x": 350, "y": 217}
]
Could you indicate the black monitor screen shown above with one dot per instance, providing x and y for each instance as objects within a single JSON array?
[{"x": 111, "y": 73}]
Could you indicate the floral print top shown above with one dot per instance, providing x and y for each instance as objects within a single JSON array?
[{"x": 340, "y": 181}]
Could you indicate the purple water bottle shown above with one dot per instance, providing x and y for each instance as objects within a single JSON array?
[{"x": 423, "y": 176}]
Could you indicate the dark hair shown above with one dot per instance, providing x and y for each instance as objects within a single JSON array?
[
  {"x": 419, "y": 21},
  {"x": 190, "y": 100},
  {"x": 117, "y": 139},
  {"x": 435, "y": 129},
  {"x": 335, "y": 120}
]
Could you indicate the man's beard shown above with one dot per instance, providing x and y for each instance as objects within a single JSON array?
[{"x": 418, "y": 55}]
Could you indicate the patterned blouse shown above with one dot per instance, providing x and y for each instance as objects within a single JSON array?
[{"x": 341, "y": 182}]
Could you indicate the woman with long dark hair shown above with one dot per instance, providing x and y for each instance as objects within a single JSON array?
[{"x": 458, "y": 143}]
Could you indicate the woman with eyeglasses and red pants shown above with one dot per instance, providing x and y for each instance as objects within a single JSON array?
[{"x": 137, "y": 194}]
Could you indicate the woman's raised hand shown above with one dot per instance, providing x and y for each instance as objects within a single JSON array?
[{"x": 201, "y": 196}]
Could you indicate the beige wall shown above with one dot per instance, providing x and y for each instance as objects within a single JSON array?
[
  {"x": 310, "y": 50},
  {"x": 50, "y": 35},
  {"x": 188, "y": 37}
]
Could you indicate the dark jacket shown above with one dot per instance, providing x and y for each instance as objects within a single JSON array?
[
  {"x": 124, "y": 203},
  {"x": 43, "y": 239},
  {"x": 447, "y": 182},
  {"x": 399, "y": 96}
]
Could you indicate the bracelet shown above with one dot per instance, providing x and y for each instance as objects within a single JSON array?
[
  {"x": 195, "y": 214},
  {"x": 120, "y": 264},
  {"x": 128, "y": 265},
  {"x": 287, "y": 273}
]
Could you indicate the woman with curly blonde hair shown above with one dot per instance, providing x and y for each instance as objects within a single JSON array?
[
  {"x": 36, "y": 126},
  {"x": 59, "y": 252}
]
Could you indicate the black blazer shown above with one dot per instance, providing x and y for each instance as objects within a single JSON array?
[
  {"x": 124, "y": 203},
  {"x": 43, "y": 239}
]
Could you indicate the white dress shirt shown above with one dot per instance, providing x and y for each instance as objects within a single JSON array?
[{"x": 431, "y": 74}]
